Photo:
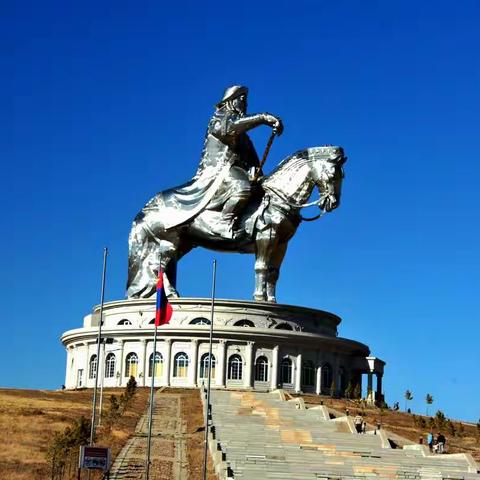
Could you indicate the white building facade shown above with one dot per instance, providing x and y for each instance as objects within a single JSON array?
[{"x": 256, "y": 345}]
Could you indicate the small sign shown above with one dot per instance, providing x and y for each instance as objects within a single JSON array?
[{"x": 95, "y": 458}]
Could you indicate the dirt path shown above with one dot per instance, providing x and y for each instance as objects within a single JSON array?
[{"x": 168, "y": 452}]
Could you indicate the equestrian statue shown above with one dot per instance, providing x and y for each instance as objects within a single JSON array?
[{"x": 229, "y": 205}]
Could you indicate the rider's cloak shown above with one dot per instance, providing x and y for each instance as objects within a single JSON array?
[{"x": 223, "y": 149}]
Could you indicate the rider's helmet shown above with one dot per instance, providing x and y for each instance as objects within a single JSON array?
[{"x": 231, "y": 93}]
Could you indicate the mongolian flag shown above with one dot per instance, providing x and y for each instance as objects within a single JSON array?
[{"x": 163, "y": 311}]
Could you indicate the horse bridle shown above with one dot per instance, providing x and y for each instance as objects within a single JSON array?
[{"x": 300, "y": 205}]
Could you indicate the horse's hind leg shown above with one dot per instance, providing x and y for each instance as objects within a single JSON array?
[{"x": 142, "y": 262}]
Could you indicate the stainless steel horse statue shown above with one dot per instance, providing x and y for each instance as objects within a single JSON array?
[{"x": 264, "y": 227}]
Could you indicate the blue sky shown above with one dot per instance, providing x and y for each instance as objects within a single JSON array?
[{"x": 106, "y": 103}]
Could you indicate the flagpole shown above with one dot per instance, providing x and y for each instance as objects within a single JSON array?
[
  {"x": 99, "y": 339},
  {"x": 102, "y": 381},
  {"x": 152, "y": 385},
  {"x": 208, "y": 407},
  {"x": 150, "y": 415}
]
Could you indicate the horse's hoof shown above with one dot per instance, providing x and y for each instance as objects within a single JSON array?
[
  {"x": 272, "y": 299},
  {"x": 259, "y": 298}
]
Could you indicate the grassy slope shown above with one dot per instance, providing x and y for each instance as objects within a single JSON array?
[
  {"x": 402, "y": 424},
  {"x": 29, "y": 419}
]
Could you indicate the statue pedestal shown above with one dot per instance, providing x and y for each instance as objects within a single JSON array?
[{"x": 256, "y": 345}]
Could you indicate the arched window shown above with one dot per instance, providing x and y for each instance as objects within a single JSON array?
[
  {"x": 158, "y": 365},
  {"x": 326, "y": 377},
  {"x": 110, "y": 365},
  {"x": 125, "y": 321},
  {"x": 261, "y": 369},
  {"x": 235, "y": 367},
  {"x": 92, "y": 371},
  {"x": 244, "y": 323},
  {"x": 180, "y": 365},
  {"x": 308, "y": 374},
  {"x": 131, "y": 365},
  {"x": 286, "y": 371},
  {"x": 284, "y": 326},
  {"x": 200, "y": 321},
  {"x": 205, "y": 364}
]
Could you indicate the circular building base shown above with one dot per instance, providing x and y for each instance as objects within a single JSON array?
[{"x": 256, "y": 345}]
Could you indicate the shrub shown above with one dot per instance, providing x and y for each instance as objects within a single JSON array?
[
  {"x": 357, "y": 393},
  {"x": 440, "y": 420},
  {"x": 63, "y": 451},
  {"x": 349, "y": 390},
  {"x": 451, "y": 428}
]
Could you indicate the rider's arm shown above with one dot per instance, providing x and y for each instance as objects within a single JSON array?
[{"x": 242, "y": 124}]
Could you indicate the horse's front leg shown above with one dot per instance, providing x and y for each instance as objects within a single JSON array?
[{"x": 263, "y": 247}]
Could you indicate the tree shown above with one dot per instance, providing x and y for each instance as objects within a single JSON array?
[
  {"x": 429, "y": 401},
  {"x": 408, "y": 397},
  {"x": 128, "y": 393},
  {"x": 333, "y": 389},
  {"x": 440, "y": 420},
  {"x": 349, "y": 390},
  {"x": 62, "y": 451},
  {"x": 357, "y": 391},
  {"x": 451, "y": 428}
]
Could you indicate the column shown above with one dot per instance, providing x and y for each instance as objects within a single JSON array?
[
  {"x": 192, "y": 373},
  {"x": 248, "y": 364},
  {"x": 220, "y": 366},
  {"x": 143, "y": 363},
  {"x": 318, "y": 381},
  {"x": 87, "y": 365},
  {"x": 120, "y": 364},
  {"x": 298, "y": 374},
  {"x": 370, "y": 386},
  {"x": 68, "y": 369},
  {"x": 274, "y": 374},
  {"x": 166, "y": 365},
  {"x": 379, "y": 395}
]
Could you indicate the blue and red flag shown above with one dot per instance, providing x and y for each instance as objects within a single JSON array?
[{"x": 164, "y": 310}]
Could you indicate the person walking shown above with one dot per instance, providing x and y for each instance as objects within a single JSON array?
[
  {"x": 430, "y": 441},
  {"x": 358, "y": 421},
  {"x": 441, "y": 440}
]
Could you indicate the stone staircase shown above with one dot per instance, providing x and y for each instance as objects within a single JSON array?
[
  {"x": 256, "y": 436},
  {"x": 168, "y": 449}
]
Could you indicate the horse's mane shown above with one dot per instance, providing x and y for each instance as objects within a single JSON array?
[{"x": 292, "y": 162}]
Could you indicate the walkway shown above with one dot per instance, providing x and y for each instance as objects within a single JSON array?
[
  {"x": 168, "y": 452},
  {"x": 262, "y": 436}
]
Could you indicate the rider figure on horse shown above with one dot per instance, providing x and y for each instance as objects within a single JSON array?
[
  {"x": 226, "y": 137},
  {"x": 229, "y": 163}
]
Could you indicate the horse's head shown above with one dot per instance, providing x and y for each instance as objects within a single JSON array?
[{"x": 328, "y": 174}]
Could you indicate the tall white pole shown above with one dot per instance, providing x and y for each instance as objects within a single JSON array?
[
  {"x": 150, "y": 414},
  {"x": 152, "y": 386},
  {"x": 208, "y": 406},
  {"x": 99, "y": 339},
  {"x": 102, "y": 380}
]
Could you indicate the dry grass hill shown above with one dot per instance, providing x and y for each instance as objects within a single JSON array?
[{"x": 29, "y": 420}]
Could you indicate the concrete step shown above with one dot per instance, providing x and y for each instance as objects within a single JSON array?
[{"x": 264, "y": 437}]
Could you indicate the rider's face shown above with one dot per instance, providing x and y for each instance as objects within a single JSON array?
[{"x": 240, "y": 103}]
